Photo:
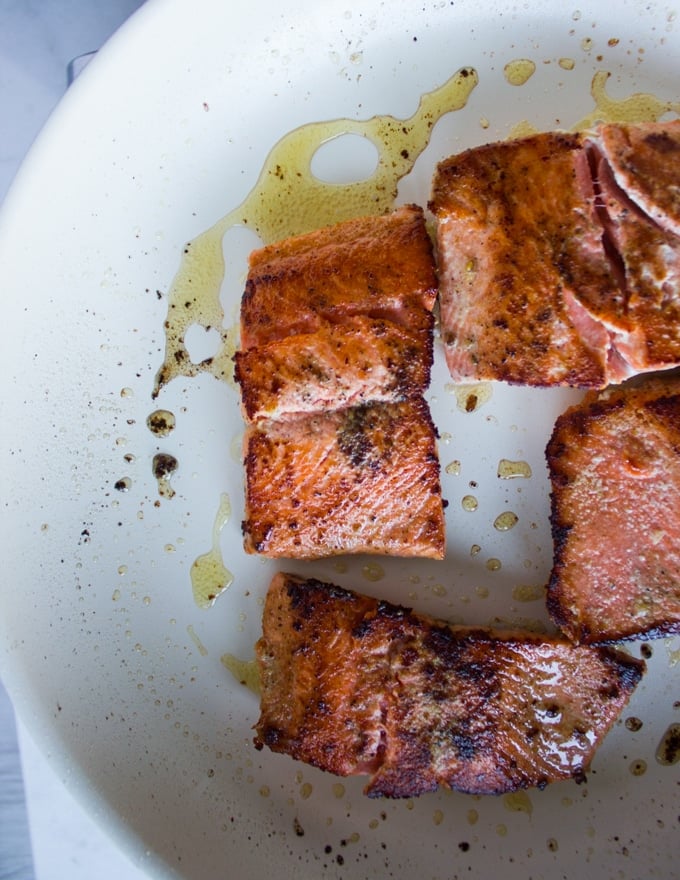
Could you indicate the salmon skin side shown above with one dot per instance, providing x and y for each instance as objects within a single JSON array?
[
  {"x": 614, "y": 463},
  {"x": 559, "y": 256},
  {"x": 355, "y": 685}
]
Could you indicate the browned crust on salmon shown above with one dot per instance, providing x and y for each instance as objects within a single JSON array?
[
  {"x": 382, "y": 266},
  {"x": 358, "y": 480},
  {"x": 517, "y": 246},
  {"x": 354, "y": 685},
  {"x": 614, "y": 464},
  {"x": 559, "y": 256},
  {"x": 360, "y": 360}
]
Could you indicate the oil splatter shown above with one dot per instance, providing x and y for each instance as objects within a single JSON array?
[
  {"x": 209, "y": 576},
  {"x": 668, "y": 750},
  {"x": 246, "y": 672},
  {"x": 519, "y": 71},
  {"x": 510, "y": 470},
  {"x": 505, "y": 521}
]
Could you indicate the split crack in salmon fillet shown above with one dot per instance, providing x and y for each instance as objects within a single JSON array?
[
  {"x": 559, "y": 256},
  {"x": 354, "y": 685},
  {"x": 614, "y": 463},
  {"x": 340, "y": 449}
]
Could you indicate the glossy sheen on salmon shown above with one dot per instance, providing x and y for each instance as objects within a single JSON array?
[
  {"x": 614, "y": 464},
  {"x": 381, "y": 266},
  {"x": 559, "y": 256},
  {"x": 354, "y": 685},
  {"x": 359, "y": 480},
  {"x": 360, "y": 360}
]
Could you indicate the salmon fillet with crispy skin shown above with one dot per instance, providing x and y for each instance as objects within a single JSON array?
[
  {"x": 360, "y": 360},
  {"x": 614, "y": 464},
  {"x": 354, "y": 685},
  {"x": 380, "y": 266},
  {"x": 560, "y": 256},
  {"x": 359, "y": 480}
]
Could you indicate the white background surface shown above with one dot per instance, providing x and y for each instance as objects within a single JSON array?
[{"x": 38, "y": 38}]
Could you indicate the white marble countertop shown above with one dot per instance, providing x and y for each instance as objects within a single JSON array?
[{"x": 38, "y": 39}]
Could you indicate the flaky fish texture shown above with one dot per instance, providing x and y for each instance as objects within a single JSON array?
[
  {"x": 559, "y": 256},
  {"x": 354, "y": 685}
]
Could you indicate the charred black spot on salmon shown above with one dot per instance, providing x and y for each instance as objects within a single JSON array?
[
  {"x": 357, "y": 436},
  {"x": 465, "y": 744},
  {"x": 662, "y": 142}
]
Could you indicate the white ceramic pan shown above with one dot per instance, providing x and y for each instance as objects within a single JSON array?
[{"x": 114, "y": 665}]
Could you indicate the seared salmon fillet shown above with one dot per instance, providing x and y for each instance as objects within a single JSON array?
[
  {"x": 364, "y": 479},
  {"x": 337, "y": 345},
  {"x": 354, "y": 685},
  {"x": 638, "y": 176},
  {"x": 360, "y": 360},
  {"x": 559, "y": 256},
  {"x": 614, "y": 464},
  {"x": 517, "y": 245},
  {"x": 381, "y": 266}
]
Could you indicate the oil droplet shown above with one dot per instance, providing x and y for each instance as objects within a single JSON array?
[
  {"x": 439, "y": 590},
  {"x": 126, "y": 392},
  {"x": 668, "y": 750},
  {"x": 163, "y": 466},
  {"x": 673, "y": 654},
  {"x": 638, "y": 767},
  {"x": 522, "y": 129},
  {"x": 528, "y": 593},
  {"x": 122, "y": 569},
  {"x": 472, "y": 817},
  {"x": 638, "y": 107},
  {"x": 115, "y": 596},
  {"x": 340, "y": 566},
  {"x": 552, "y": 844},
  {"x": 475, "y": 549},
  {"x": 505, "y": 521},
  {"x": 482, "y": 592},
  {"x": 265, "y": 791},
  {"x": 338, "y": 790},
  {"x": 161, "y": 422},
  {"x": 567, "y": 63},
  {"x": 510, "y": 470},
  {"x": 469, "y": 503},
  {"x": 453, "y": 467},
  {"x": 470, "y": 398},
  {"x": 209, "y": 576},
  {"x": 633, "y": 724},
  {"x": 518, "y": 802},
  {"x": 306, "y": 790},
  {"x": 502, "y": 830},
  {"x": 519, "y": 71},
  {"x": 493, "y": 564},
  {"x": 373, "y": 572},
  {"x": 246, "y": 672},
  {"x": 587, "y": 44},
  {"x": 437, "y": 817},
  {"x": 288, "y": 199},
  {"x": 202, "y": 650}
]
